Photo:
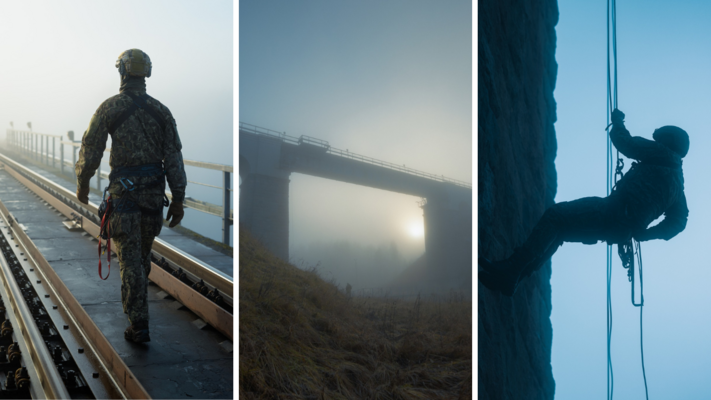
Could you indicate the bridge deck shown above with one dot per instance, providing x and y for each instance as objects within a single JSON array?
[{"x": 181, "y": 361}]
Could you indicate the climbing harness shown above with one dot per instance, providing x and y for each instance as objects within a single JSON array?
[
  {"x": 139, "y": 171},
  {"x": 124, "y": 204},
  {"x": 632, "y": 247}
]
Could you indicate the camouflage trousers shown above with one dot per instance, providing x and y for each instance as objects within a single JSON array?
[{"x": 133, "y": 234}]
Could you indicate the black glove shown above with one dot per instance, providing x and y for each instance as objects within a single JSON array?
[
  {"x": 83, "y": 194},
  {"x": 176, "y": 212},
  {"x": 617, "y": 117}
]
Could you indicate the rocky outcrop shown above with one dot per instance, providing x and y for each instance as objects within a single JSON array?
[{"x": 517, "y": 182}]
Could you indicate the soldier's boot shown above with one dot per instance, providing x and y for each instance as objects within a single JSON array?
[
  {"x": 137, "y": 333},
  {"x": 504, "y": 276}
]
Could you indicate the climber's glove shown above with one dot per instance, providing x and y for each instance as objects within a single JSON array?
[
  {"x": 617, "y": 117},
  {"x": 176, "y": 212},
  {"x": 83, "y": 194}
]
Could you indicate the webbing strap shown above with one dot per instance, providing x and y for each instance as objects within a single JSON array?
[
  {"x": 143, "y": 104},
  {"x": 122, "y": 117},
  {"x": 138, "y": 102}
]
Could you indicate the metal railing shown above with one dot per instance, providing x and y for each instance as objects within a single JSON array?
[
  {"x": 258, "y": 130},
  {"x": 36, "y": 146}
]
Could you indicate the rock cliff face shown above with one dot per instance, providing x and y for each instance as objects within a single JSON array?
[{"x": 517, "y": 182}]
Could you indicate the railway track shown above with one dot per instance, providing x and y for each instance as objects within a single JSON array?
[
  {"x": 58, "y": 357},
  {"x": 70, "y": 357},
  {"x": 174, "y": 267}
]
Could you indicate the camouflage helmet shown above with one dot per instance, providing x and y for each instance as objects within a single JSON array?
[
  {"x": 134, "y": 62},
  {"x": 674, "y": 138}
]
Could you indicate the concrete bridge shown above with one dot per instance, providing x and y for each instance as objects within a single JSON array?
[{"x": 267, "y": 158}]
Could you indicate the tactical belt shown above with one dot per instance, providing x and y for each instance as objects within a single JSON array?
[
  {"x": 126, "y": 205},
  {"x": 137, "y": 171}
]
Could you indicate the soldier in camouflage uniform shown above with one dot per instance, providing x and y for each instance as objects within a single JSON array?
[
  {"x": 652, "y": 187},
  {"x": 145, "y": 151}
]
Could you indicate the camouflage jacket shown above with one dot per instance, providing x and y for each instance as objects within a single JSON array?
[
  {"x": 652, "y": 187},
  {"x": 138, "y": 140}
]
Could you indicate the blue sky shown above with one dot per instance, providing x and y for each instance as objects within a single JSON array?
[{"x": 664, "y": 60}]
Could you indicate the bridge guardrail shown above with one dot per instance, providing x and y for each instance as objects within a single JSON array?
[
  {"x": 303, "y": 139},
  {"x": 36, "y": 146}
]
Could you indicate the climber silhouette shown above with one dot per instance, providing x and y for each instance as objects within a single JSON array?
[{"x": 653, "y": 186}]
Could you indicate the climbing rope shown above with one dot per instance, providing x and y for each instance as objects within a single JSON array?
[
  {"x": 611, "y": 96},
  {"x": 626, "y": 251},
  {"x": 641, "y": 306}
]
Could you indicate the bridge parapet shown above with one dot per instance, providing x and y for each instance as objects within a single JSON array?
[
  {"x": 308, "y": 140},
  {"x": 36, "y": 146}
]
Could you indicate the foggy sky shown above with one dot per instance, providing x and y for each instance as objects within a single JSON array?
[
  {"x": 58, "y": 66},
  {"x": 389, "y": 80},
  {"x": 664, "y": 63}
]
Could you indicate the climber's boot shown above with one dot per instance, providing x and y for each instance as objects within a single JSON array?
[
  {"x": 137, "y": 333},
  {"x": 503, "y": 276},
  {"x": 494, "y": 277}
]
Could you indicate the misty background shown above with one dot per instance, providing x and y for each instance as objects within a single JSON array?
[
  {"x": 389, "y": 80},
  {"x": 664, "y": 59},
  {"x": 58, "y": 67}
]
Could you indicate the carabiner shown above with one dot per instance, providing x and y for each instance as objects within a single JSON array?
[{"x": 133, "y": 187}]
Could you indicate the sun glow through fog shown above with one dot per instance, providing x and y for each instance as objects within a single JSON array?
[{"x": 416, "y": 229}]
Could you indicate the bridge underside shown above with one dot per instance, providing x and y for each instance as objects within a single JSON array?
[{"x": 265, "y": 166}]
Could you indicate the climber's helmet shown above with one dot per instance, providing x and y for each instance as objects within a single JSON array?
[
  {"x": 674, "y": 138},
  {"x": 134, "y": 62}
]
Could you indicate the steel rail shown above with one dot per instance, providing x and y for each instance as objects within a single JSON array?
[
  {"x": 192, "y": 163},
  {"x": 50, "y": 380},
  {"x": 210, "y": 312},
  {"x": 34, "y": 133},
  {"x": 123, "y": 380}
]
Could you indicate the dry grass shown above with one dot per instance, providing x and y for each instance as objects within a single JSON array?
[{"x": 303, "y": 338}]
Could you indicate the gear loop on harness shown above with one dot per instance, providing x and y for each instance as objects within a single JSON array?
[{"x": 620, "y": 166}]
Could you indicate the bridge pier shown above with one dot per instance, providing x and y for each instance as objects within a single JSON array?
[
  {"x": 448, "y": 244},
  {"x": 264, "y": 193},
  {"x": 264, "y": 211}
]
